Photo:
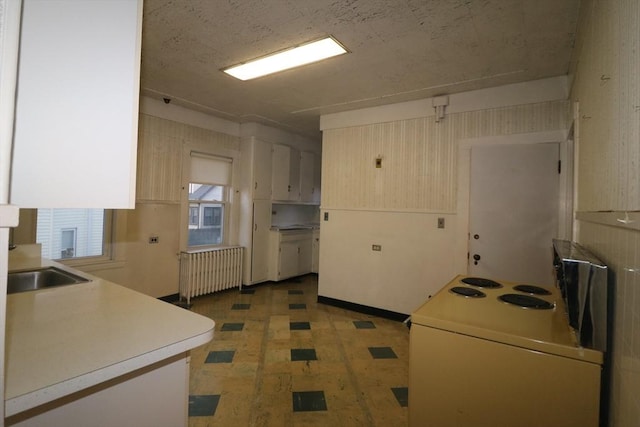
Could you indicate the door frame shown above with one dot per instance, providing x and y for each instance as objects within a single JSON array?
[{"x": 565, "y": 210}]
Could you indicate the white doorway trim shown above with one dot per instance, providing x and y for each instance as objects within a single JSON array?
[{"x": 464, "y": 171}]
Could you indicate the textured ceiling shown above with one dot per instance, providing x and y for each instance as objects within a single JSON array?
[{"x": 400, "y": 50}]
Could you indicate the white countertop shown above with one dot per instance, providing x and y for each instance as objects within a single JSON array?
[{"x": 65, "y": 339}]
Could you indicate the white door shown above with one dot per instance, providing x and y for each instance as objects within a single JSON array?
[{"x": 513, "y": 212}]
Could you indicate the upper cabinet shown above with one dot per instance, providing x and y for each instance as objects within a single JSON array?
[
  {"x": 286, "y": 173},
  {"x": 261, "y": 168},
  {"x": 307, "y": 184},
  {"x": 294, "y": 177},
  {"x": 77, "y": 104}
]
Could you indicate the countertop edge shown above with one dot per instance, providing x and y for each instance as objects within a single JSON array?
[{"x": 44, "y": 395}]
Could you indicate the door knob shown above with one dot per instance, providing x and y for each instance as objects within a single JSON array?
[
  {"x": 476, "y": 236},
  {"x": 476, "y": 258}
]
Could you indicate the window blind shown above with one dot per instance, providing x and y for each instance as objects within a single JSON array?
[{"x": 207, "y": 169}]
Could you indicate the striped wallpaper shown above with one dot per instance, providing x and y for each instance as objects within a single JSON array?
[{"x": 419, "y": 156}]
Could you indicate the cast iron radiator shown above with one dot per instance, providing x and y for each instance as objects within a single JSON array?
[{"x": 209, "y": 270}]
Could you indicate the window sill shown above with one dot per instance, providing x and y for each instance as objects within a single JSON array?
[{"x": 94, "y": 265}]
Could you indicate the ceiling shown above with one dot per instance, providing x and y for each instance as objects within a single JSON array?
[{"x": 400, "y": 50}]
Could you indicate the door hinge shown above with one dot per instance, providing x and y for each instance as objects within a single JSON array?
[{"x": 559, "y": 166}]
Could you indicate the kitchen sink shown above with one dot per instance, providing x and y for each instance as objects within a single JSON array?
[{"x": 32, "y": 280}]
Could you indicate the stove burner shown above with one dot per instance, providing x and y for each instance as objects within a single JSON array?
[
  {"x": 467, "y": 292},
  {"x": 481, "y": 283},
  {"x": 526, "y": 301},
  {"x": 529, "y": 289}
]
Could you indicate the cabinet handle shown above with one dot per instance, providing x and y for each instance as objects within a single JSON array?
[
  {"x": 255, "y": 227},
  {"x": 289, "y": 188},
  {"x": 255, "y": 185}
]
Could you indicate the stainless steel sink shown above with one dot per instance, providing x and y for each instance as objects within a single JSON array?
[{"x": 32, "y": 280}]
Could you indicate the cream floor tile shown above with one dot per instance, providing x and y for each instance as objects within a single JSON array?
[{"x": 256, "y": 387}]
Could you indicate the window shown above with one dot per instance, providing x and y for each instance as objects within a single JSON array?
[
  {"x": 68, "y": 245},
  {"x": 73, "y": 233},
  {"x": 208, "y": 197},
  {"x": 193, "y": 215}
]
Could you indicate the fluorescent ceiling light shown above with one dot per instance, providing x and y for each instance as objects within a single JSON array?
[{"x": 286, "y": 59}]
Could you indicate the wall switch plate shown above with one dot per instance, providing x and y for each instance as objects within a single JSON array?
[
  {"x": 326, "y": 216},
  {"x": 379, "y": 162},
  {"x": 440, "y": 222},
  {"x": 153, "y": 239},
  {"x": 376, "y": 248}
]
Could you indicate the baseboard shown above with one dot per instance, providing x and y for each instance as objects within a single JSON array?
[{"x": 374, "y": 311}]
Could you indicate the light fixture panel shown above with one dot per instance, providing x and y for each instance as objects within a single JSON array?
[{"x": 290, "y": 58}]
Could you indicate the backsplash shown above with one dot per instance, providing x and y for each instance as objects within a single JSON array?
[{"x": 283, "y": 214}]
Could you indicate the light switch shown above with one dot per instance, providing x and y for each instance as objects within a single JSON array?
[{"x": 440, "y": 222}]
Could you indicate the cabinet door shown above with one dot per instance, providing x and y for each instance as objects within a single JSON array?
[
  {"x": 317, "y": 180},
  {"x": 315, "y": 252},
  {"x": 281, "y": 164},
  {"x": 261, "y": 170},
  {"x": 77, "y": 104},
  {"x": 304, "y": 255},
  {"x": 288, "y": 265},
  {"x": 260, "y": 239},
  {"x": 294, "y": 174},
  {"x": 307, "y": 163}
]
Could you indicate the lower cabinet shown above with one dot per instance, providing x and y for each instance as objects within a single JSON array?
[
  {"x": 292, "y": 253},
  {"x": 153, "y": 396},
  {"x": 315, "y": 251}
]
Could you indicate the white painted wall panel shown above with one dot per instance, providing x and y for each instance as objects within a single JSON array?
[
  {"x": 415, "y": 261},
  {"x": 607, "y": 88}
]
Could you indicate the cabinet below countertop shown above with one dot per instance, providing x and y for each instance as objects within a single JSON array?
[
  {"x": 291, "y": 251},
  {"x": 71, "y": 339}
]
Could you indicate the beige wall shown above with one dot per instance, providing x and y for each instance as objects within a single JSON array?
[
  {"x": 163, "y": 148},
  {"x": 398, "y": 205},
  {"x": 607, "y": 89}
]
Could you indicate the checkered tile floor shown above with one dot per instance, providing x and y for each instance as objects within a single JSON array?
[{"x": 278, "y": 358}]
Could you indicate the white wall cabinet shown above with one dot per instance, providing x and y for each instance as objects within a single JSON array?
[
  {"x": 307, "y": 176},
  {"x": 294, "y": 253},
  {"x": 261, "y": 168},
  {"x": 286, "y": 173},
  {"x": 77, "y": 104},
  {"x": 255, "y": 209}
]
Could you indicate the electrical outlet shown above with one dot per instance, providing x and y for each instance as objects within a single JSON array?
[
  {"x": 376, "y": 248},
  {"x": 153, "y": 239},
  {"x": 326, "y": 216}
]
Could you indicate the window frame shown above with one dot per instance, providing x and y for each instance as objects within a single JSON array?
[
  {"x": 226, "y": 152},
  {"x": 225, "y": 206},
  {"x": 108, "y": 240}
]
